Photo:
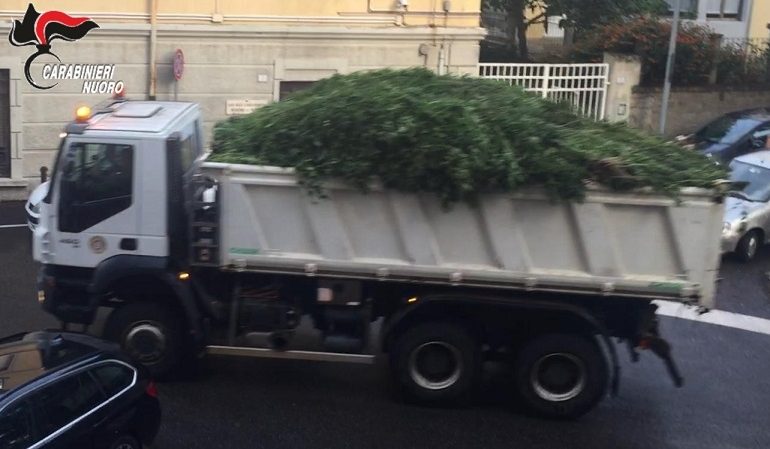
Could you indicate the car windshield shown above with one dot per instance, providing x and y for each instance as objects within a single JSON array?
[
  {"x": 727, "y": 130},
  {"x": 755, "y": 178}
]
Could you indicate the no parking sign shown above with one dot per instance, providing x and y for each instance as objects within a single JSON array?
[{"x": 178, "y": 64}]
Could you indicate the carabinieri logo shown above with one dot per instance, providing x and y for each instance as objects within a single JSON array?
[{"x": 40, "y": 30}]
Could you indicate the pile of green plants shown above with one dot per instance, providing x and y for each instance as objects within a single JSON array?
[{"x": 457, "y": 137}]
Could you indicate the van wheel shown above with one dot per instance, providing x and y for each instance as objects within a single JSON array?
[
  {"x": 748, "y": 246},
  {"x": 436, "y": 363},
  {"x": 561, "y": 375},
  {"x": 150, "y": 334}
]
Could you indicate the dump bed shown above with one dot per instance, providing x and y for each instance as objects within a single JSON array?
[{"x": 616, "y": 244}]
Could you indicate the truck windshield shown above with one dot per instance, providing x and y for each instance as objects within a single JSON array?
[
  {"x": 56, "y": 166},
  {"x": 757, "y": 180}
]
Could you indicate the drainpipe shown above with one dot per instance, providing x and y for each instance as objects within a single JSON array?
[{"x": 153, "y": 48}]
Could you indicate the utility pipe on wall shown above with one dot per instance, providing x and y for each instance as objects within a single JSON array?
[{"x": 153, "y": 48}]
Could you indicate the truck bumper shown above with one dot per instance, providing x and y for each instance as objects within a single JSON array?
[{"x": 63, "y": 292}]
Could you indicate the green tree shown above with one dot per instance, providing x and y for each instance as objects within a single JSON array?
[{"x": 580, "y": 15}]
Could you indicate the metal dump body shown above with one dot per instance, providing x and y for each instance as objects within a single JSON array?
[{"x": 616, "y": 244}]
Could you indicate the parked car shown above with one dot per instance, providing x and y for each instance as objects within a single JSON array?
[
  {"x": 33, "y": 204},
  {"x": 747, "y": 210},
  {"x": 67, "y": 390},
  {"x": 731, "y": 135}
]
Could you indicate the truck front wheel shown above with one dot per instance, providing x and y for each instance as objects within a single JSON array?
[
  {"x": 436, "y": 363},
  {"x": 561, "y": 375},
  {"x": 149, "y": 333}
]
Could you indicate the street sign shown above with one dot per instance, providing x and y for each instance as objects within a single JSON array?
[
  {"x": 178, "y": 64},
  {"x": 240, "y": 107}
]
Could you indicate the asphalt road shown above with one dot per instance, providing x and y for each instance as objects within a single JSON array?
[{"x": 256, "y": 403}]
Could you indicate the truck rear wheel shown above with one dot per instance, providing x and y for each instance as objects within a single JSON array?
[
  {"x": 561, "y": 375},
  {"x": 150, "y": 334},
  {"x": 436, "y": 363}
]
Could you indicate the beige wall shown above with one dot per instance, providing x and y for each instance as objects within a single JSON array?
[
  {"x": 229, "y": 60},
  {"x": 691, "y": 108},
  {"x": 760, "y": 17},
  {"x": 463, "y": 13}
]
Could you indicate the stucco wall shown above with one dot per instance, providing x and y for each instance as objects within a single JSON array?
[
  {"x": 295, "y": 12},
  {"x": 691, "y": 108},
  {"x": 760, "y": 17},
  {"x": 222, "y": 63}
]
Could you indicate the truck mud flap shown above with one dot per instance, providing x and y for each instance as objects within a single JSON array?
[
  {"x": 662, "y": 349},
  {"x": 650, "y": 339}
]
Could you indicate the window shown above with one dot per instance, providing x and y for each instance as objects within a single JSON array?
[
  {"x": 724, "y": 9},
  {"x": 96, "y": 183},
  {"x": 16, "y": 427},
  {"x": 686, "y": 6},
  {"x": 727, "y": 129},
  {"x": 756, "y": 179},
  {"x": 289, "y": 87},
  {"x": 64, "y": 401},
  {"x": 113, "y": 378},
  {"x": 5, "y": 124},
  {"x": 188, "y": 152}
]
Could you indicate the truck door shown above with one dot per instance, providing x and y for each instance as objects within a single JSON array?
[
  {"x": 183, "y": 149},
  {"x": 97, "y": 215}
]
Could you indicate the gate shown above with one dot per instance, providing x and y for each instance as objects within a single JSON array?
[{"x": 583, "y": 86}]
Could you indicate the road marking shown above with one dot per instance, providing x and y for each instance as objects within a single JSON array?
[
  {"x": 718, "y": 317},
  {"x": 13, "y": 226}
]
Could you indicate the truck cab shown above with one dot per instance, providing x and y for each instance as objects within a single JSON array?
[{"x": 96, "y": 218}]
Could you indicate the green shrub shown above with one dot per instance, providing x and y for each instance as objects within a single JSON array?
[
  {"x": 737, "y": 63},
  {"x": 453, "y": 136},
  {"x": 648, "y": 38}
]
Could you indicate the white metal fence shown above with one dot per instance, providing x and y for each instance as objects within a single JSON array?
[{"x": 584, "y": 86}]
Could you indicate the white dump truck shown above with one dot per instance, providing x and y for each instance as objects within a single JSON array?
[{"x": 195, "y": 257}]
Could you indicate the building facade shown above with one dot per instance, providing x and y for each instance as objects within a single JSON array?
[
  {"x": 238, "y": 55},
  {"x": 734, "y": 19},
  {"x": 759, "y": 20}
]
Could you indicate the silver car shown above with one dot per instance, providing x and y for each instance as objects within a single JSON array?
[{"x": 747, "y": 209}]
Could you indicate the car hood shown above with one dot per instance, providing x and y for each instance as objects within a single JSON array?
[{"x": 737, "y": 208}]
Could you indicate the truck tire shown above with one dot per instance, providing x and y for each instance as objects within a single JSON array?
[
  {"x": 436, "y": 363},
  {"x": 561, "y": 376},
  {"x": 748, "y": 246},
  {"x": 150, "y": 334}
]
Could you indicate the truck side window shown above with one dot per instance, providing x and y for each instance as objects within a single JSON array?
[
  {"x": 188, "y": 153},
  {"x": 97, "y": 183}
]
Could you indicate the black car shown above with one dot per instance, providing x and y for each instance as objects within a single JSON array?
[
  {"x": 65, "y": 390},
  {"x": 732, "y": 135}
]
